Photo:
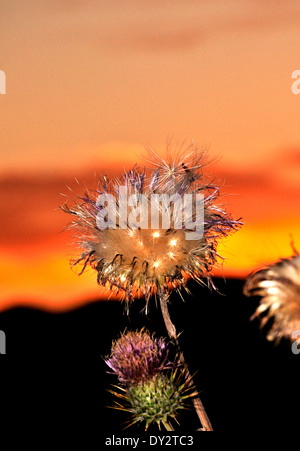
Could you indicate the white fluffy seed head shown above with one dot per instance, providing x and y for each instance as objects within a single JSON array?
[{"x": 137, "y": 260}]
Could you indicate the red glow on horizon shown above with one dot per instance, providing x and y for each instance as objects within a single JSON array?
[{"x": 34, "y": 257}]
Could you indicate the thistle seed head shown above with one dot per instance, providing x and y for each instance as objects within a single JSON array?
[
  {"x": 135, "y": 260},
  {"x": 279, "y": 288}
]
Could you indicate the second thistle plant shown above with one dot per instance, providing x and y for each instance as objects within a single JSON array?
[
  {"x": 152, "y": 388},
  {"x": 278, "y": 286}
]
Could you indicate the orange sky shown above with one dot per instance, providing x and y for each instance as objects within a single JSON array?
[{"x": 88, "y": 86}]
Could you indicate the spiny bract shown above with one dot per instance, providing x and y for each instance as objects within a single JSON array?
[{"x": 158, "y": 399}]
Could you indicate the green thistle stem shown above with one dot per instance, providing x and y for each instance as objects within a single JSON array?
[{"x": 171, "y": 329}]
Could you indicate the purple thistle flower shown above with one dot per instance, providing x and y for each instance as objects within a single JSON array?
[{"x": 137, "y": 356}]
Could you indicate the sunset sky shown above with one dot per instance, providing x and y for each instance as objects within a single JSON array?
[{"x": 90, "y": 84}]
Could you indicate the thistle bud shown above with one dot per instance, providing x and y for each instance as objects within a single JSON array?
[{"x": 157, "y": 400}]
